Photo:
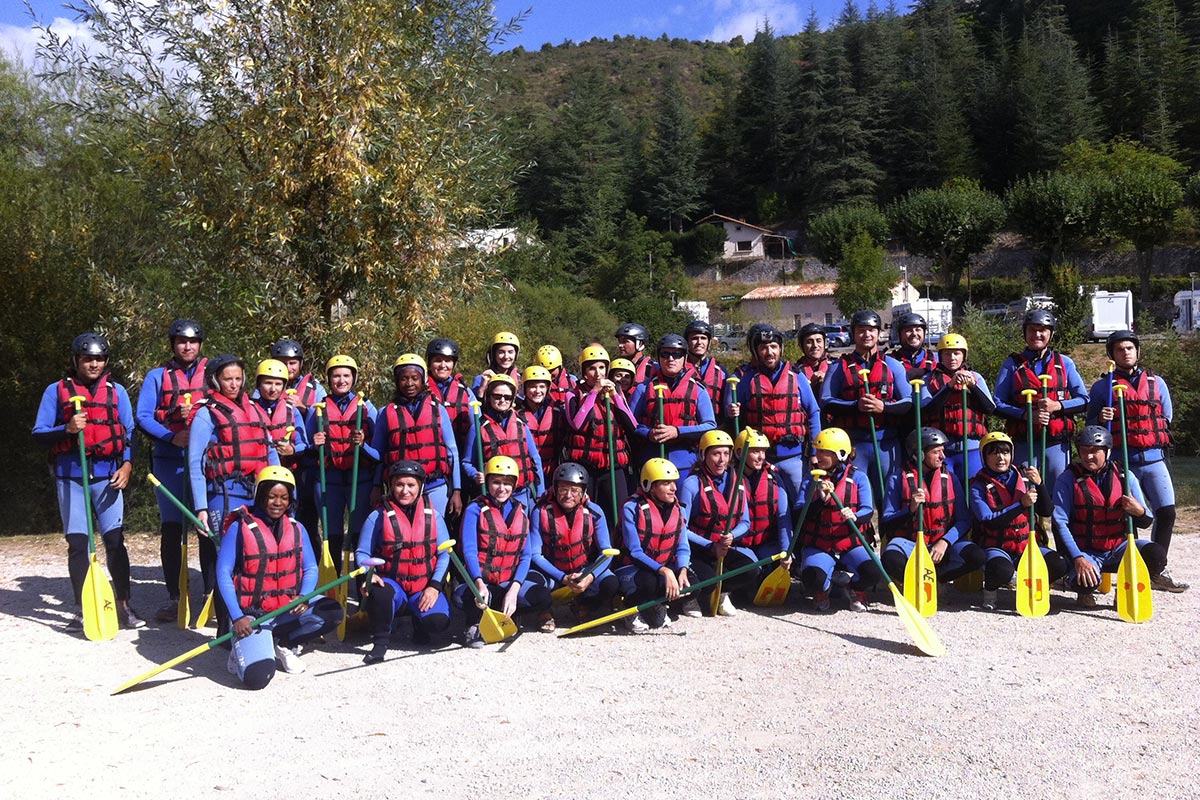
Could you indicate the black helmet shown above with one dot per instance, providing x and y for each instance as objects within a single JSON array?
[
  {"x": 634, "y": 331},
  {"x": 407, "y": 469},
  {"x": 287, "y": 348},
  {"x": 810, "y": 329},
  {"x": 441, "y": 347},
  {"x": 753, "y": 332},
  {"x": 671, "y": 341},
  {"x": 1039, "y": 316},
  {"x": 911, "y": 320},
  {"x": 764, "y": 335},
  {"x": 89, "y": 344},
  {"x": 698, "y": 326},
  {"x": 1094, "y": 436},
  {"x": 866, "y": 319},
  {"x": 1121, "y": 336},
  {"x": 570, "y": 472},
  {"x": 930, "y": 438},
  {"x": 187, "y": 328},
  {"x": 219, "y": 363}
]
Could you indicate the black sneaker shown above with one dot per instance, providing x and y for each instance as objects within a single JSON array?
[
  {"x": 377, "y": 653},
  {"x": 128, "y": 618},
  {"x": 75, "y": 621},
  {"x": 168, "y": 612}
]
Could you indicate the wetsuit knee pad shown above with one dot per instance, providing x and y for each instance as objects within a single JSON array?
[
  {"x": 999, "y": 570},
  {"x": 433, "y": 623},
  {"x": 1056, "y": 565},
  {"x": 868, "y": 575},
  {"x": 1155, "y": 556},
  {"x": 171, "y": 530},
  {"x": 114, "y": 539},
  {"x": 257, "y": 675},
  {"x": 894, "y": 562},
  {"x": 974, "y": 556},
  {"x": 538, "y": 597},
  {"x": 812, "y": 578},
  {"x": 77, "y": 544}
]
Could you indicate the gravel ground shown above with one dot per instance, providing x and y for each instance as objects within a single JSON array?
[{"x": 789, "y": 703}]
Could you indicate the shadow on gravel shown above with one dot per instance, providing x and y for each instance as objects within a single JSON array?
[
  {"x": 30, "y": 601},
  {"x": 885, "y": 645}
]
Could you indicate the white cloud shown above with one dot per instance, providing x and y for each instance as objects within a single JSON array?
[
  {"x": 20, "y": 44},
  {"x": 745, "y": 17}
]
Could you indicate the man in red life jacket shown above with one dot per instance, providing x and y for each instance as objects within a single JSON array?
[
  {"x": 631, "y": 344},
  {"x": 814, "y": 362},
  {"x": 686, "y": 409},
  {"x": 917, "y": 359},
  {"x": 700, "y": 361}
]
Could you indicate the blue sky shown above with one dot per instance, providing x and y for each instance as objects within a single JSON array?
[{"x": 548, "y": 20}]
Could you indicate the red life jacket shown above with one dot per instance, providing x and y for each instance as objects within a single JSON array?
[
  {"x": 1097, "y": 522},
  {"x": 549, "y": 432},
  {"x": 1012, "y": 536},
  {"x": 773, "y": 407},
  {"x": 659, "y": 537},
  {"x": 339, "y": 428},
  {"x": 679, "y": 405},
  {"x": 1061, "y": 426},
  {"x": 175, "y": 384},
  {"x": 827, "y": 530},
  {"x": 948, "y": 417},
  {"x": 509, "y": 440},
  {"x": 269, "y": 571},
  {"x": 243, "y": 438},
  {"x": 938, "y": 509},
  {"x": 501, "y": 540},
  {"x": 643, "y": 367},
  {"x": 1144, "y": 415},
  {"x": 418, "y": 438},
  {"x": 815, "y": 373},
  {"x": 457, "y": 400},
  {"x": 914, "y": 370},
  {"x": 306, "y": 390},
  {"x": 589, "y": 444},
  {"x": 409, "y": 546},
  {"x": 710, "y": 375},
  {"x": 711, "y": 515},
  {"x": 561, "y": 388},
  {"x": 278, "y": 420},
  {"x": 763, "y": 492},
  {"x": 879, "y": 384},
  {"x": 104, "y": 435},
  {"x": 567, "y": 543}
]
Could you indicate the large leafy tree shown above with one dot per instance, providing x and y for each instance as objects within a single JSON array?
[{"x": 672, "y": 183}]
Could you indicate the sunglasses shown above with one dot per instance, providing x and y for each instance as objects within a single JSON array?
[
  {"x": 505, "y": 397},
  {"x": 671, "y": 354}
]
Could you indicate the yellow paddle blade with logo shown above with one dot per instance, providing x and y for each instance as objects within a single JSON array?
[
  {"x": 774, "y": 588},
  {"x": 920, "y": 579},
  {"x": 1033, "y": 581},
  {"x": 496, "y": 627},
  {"x": 1134, "y": 603},
  {"x": 99, "y": 605}
]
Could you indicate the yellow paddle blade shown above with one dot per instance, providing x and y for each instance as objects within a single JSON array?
[
  {"x": 1105, "y": 583},
  {"x": 495, "y": 627},
  {"x": 970, "y": 583},
  {"x": 99, "y": 605},
  {"x": 922, "y": 635},
  {"x": 163, "y": 667},
  {"x": 207, "y": 617},
  {"x": 326, "y": 571},
  {"x": 562, "y": 595},
  {"x": 184, "y": 615},
  {"x": 920, "y": 579},
  {"x": 342, "y": 594},
  {"x": 1033, "y": 581},
  {"x": 1134, "y": 603},
  {"x": 596, "y": 623},
  {"x": 714, "y": 600},
  {"x": 774, "y": 588}
]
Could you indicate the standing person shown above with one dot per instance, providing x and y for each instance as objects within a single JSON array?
[
  {"x": 814, "y": 363},
  {"x": 770, "y": 517},
  {"x": 340, "y": 437},
  {"x": 301, "y": 391},
  {"x": 631, "y": 344},
  {"x": 851, "y": 404},
  {"x": 1148, "y": 415},
  {"x": 942, "y": 402},
  {"x": 657, "y": 554},
  {"x": 1065, "y": 396},
  {"x": 502, "y": 357},
  {"x": 622, "y": 372},
  {"x": 167, "y": 398},
  {"x": 405, "y": 532},
  {"x": 502, "y": 431},
  {"x": 106, "y": 420},
  {"x": 416, "y": 427},
  {"x": 588, "y": 437},
  {"x": 683, "y": 406},
  {"x": 831, "y": 554},
  {"x": 943, "y": 504},
  {"x": 700, "y": 362},
  {"x": 742, "y": 370},
  {"x": 773, "y": 400},
  {"x": 265, "y": 563},
  {"x": 1092, "y": 498},
  {"x": 498, "y": 551},
  {"x": 562, "y": 383},
  {"x": 918, "y": 361},
  {"x": 546, "y": 420},
  {"x": 568, "y": 533},
  {"x": 1001, "y": 497},
  {"x": 446, "y": 384},
  {"x": 269, "y": 380}
]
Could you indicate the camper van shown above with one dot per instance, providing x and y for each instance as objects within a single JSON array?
[
  {"x": 938, "y": 314},
  {"x": 1187, "y": 311},
  {"x": 1111, "y": 311}
]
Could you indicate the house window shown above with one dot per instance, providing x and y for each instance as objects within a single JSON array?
[
  {"x": 745, "y": 246},
  {"x": 828, "y": 318}
]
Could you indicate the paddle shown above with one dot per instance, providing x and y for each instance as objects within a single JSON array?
[
  {"x": 99, "y": 605},
  {"x": 1045, "y": 379},
  {"x": 493, "y": 625},
  {"x": 737, "y": 421},
  {"x": 920, "y": 574},
  {"x": 206, "y": 612},
  {"x": 343, "y": 590},
  {"x": 973, "y": 580},
  {"x": 1134, "y": 602},
  {"x": 714, "y": 602},
  {"x": 865, "y": 374},
  {"x": 1033, "y": 580},
  {"x": 922, "y": 635},
  {"x": 696, "y": 587},
  {"x": 327, "y": 569},
  {"x": 564, "y": 593},
  {"x": 190, "y": 654},
  {"x": 1029, "y": 395},
  {"x": 659, "y": 390},
  {"x": 476, "y": 407},
  {"x": 612, "y": 460},
  {"x": 183, "y": 612},
  {"x": 774, "y": 588},
  {"x": 1106, "y": 578}
]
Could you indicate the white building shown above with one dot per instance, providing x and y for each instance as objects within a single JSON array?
[{"x": 743, "y": 240}]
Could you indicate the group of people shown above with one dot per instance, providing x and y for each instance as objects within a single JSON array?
[{"x": 687, "y": 469}]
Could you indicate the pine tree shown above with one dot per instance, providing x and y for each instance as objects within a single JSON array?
[{"x": 671, "y": 183}]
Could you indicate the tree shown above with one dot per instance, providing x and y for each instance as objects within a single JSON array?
[
  {"x": 672, "y": 184},
  {"x": 1055, "y": 211},
  {"x": 763, "y": 117},
  {"x": 864, "y": 278},
  {"x": 830, "y": 232}
]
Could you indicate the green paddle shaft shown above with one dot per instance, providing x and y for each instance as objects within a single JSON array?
[
  {"x": 865, "y": 374},
  {"x": 466, "y": 576},
  {"x": 658, "y": 390},
  {"x": 595, "y": 565},
  {"x": 475, "y": 409},
  {"x": 87, "y": 491},
  {"x": 917, "y": 383},
  {"x": 187, "y": 512},
  {"x": 323, "y": 428},
  {"x": 799, "y": 521},
  {"x": 966, "y": 453},
  {"x": 1120, "y": 389},
  {"x": 1045, "y": 379},
  {"x": 696, "y": 587},
  {"x": 354, "y": 468},
  {"x": 612, "y": 459}
]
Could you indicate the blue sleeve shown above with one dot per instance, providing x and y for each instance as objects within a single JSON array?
[
  {"x": 300, "y": 438},
  {"x": 784, "y": 516},
  {"x": 637, "y": 406},
  {"x": 633, "y": 544},
  {"x": 312, "y": 573},
  {"x": 454, "y": 478},
  {"x": 369, "y": 416},
  {"x": 683, "y": 552},
  {"x": 688, "y": 490},
  {"x": 808, "y": 401},
  {"x": 319, "y": 392},
  {"x": 1165, "y": 395},
  {"x": 531, "y": 446},
  {"x": 981, "y": 511},
  {"x": 443, "y": 556},
  {"x": 199, "y": 437},
  {"x": 535, "y": 539},
  {"x": 704, "y": 411},
  {"x": 226, "y": 561},
  {"x": 982, "y": 395},
  {"x": 603, "y": 538},
  {"x": 743, "y": 525},
  {"x": 368, "y": 536},
  {"x": 470, "y": 540},
  {"x": 1076, "y": 403},
  {"x": 1097, "y": 400},
  {"x": 310, "y": 424},
  {"x": 379, "y": 443},
  {"x": 469, "y": 467},
  {"x": 1004, "y": 393},
  {"x": 866, "y": 504},
  {"x": 146, "y": 405},
  {"x": 1064, "y": 504},
  {"x": 125, "y": 412},
  {"x": 832, "y": 387},
  {"x": 903, "y": 391},
  {"x": 47, "y": 427},
  {"x": 894, "y": 507},
  {"x": 526, "y": 557}
]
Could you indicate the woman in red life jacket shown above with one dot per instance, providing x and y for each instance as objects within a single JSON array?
[
  {"x": 621, "y": 372},
  {"x": 770, "y": 519},
  {"x": 501, "y": 360},
  {"x": 942, "y": 403},
  {"x": 562, "y": 383},
  {"x": 106, "y": 420},
  {"x": 302, "y": 391},
  {"x": 547, "y": 421},
  {"x": 497, "y": 551},
  {"x": 269, "y": 380},
  {"x": 831, "y": 555},
  {"x": 1003, "y": 501},
  {"x": 503, "y": 432},
  {"x": 447, "y": 385},
  {"x": 266, "y": 562},
  {"x": 405, "y": 532},
  {"x": 341, "y": 435}
]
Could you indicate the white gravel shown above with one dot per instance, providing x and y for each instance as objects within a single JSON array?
[{"x": 783, "y": 704}]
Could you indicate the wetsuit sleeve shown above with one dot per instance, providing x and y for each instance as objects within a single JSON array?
[
  {"x": 199, "y": 437},
  {"x": 1004, "y": 393},
  {"x": 526, "y": 557},
  {"x": 48, "y": 429},
  {"x": 894, "y": 507},
  {"x": 368, "y": 536},
  {"x": 622, "y": 413},
  {"x": 535, "y": 539},
  {"x": 1097, "y": 401},
  {"x": 578, "y": 411},
  {"x": 783, "y": 516},
  {"x": 832, "y": 387},
  {"x": 981, "y": 511},
  {"x": 438, "y": 579},
  {"x": 704, "y": 411},
  {"x": 147, "y": 402},
  {"x": 454, "y": 478},
  {"x": 637, "y": 405},
  {"x": 743, "y": 524},
  {"x": 1064, "y": 504},
  {"x": 603, "y": 538},
  {"x": 1168, "y": 409},
  {"x": 311, "y": 573},
  {"x": 470, "y": 540},
  {"x": 226, "y": 561},
  {"x": 683, "y": 552},
  {"x": 125, "y": 412},
  {"x": 370, "y": 415},
  {"x": 866, "y": 505},
  {"x": 469, "y": 468},
  {"x": 1078, "y": 400},
  {"x": 982, "y": 395},
  {"x": 379, "y": 443},
  {"x": 300, "y": 438},
  {"x": 808, "y": 401}
]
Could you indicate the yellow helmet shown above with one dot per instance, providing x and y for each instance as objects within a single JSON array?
[
  {"x": 341, "y": 361},
  {"x": 497, "y": 380},
  {"x": 274, "y": 473},
  {"x": 658, "y": 469},
  {"x": 993, "y": 438},
  {"x": 952, "y": 341},
  {"x": 755, "y": 438},
  {"x": 715, "y": 438},
  {"x": 504, "y": 337},
  {"x": 593, "y": 353},
  {"x": 409, "y": 360},
  {"x": 537, "y": 372},
  {"x": 549, "y": 357},
  {"x": 836, "y": 441},
  {"x": 272, "y": 369},
  {"x": 501, "y": 465},
  {"x": 622, "y": 363}
]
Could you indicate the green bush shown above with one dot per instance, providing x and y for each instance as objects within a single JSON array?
[
  {"x": 990, "y": 340},
  {"x": 831, "y": 231},
  {"x": 1177, "y": 359},
  {"x": 1072, "y": 306},
  {"x": 703, "y": 244}
]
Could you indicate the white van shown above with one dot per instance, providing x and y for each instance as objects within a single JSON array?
[
  {"x": 938, "y": 314},
  {"x": 1187, "y": 311},
  {"x": 1111, "y": 311}
]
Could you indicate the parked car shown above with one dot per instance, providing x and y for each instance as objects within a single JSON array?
[
  {"x": 836, "y": 335},
  {"x": 734, "y": 340}
]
